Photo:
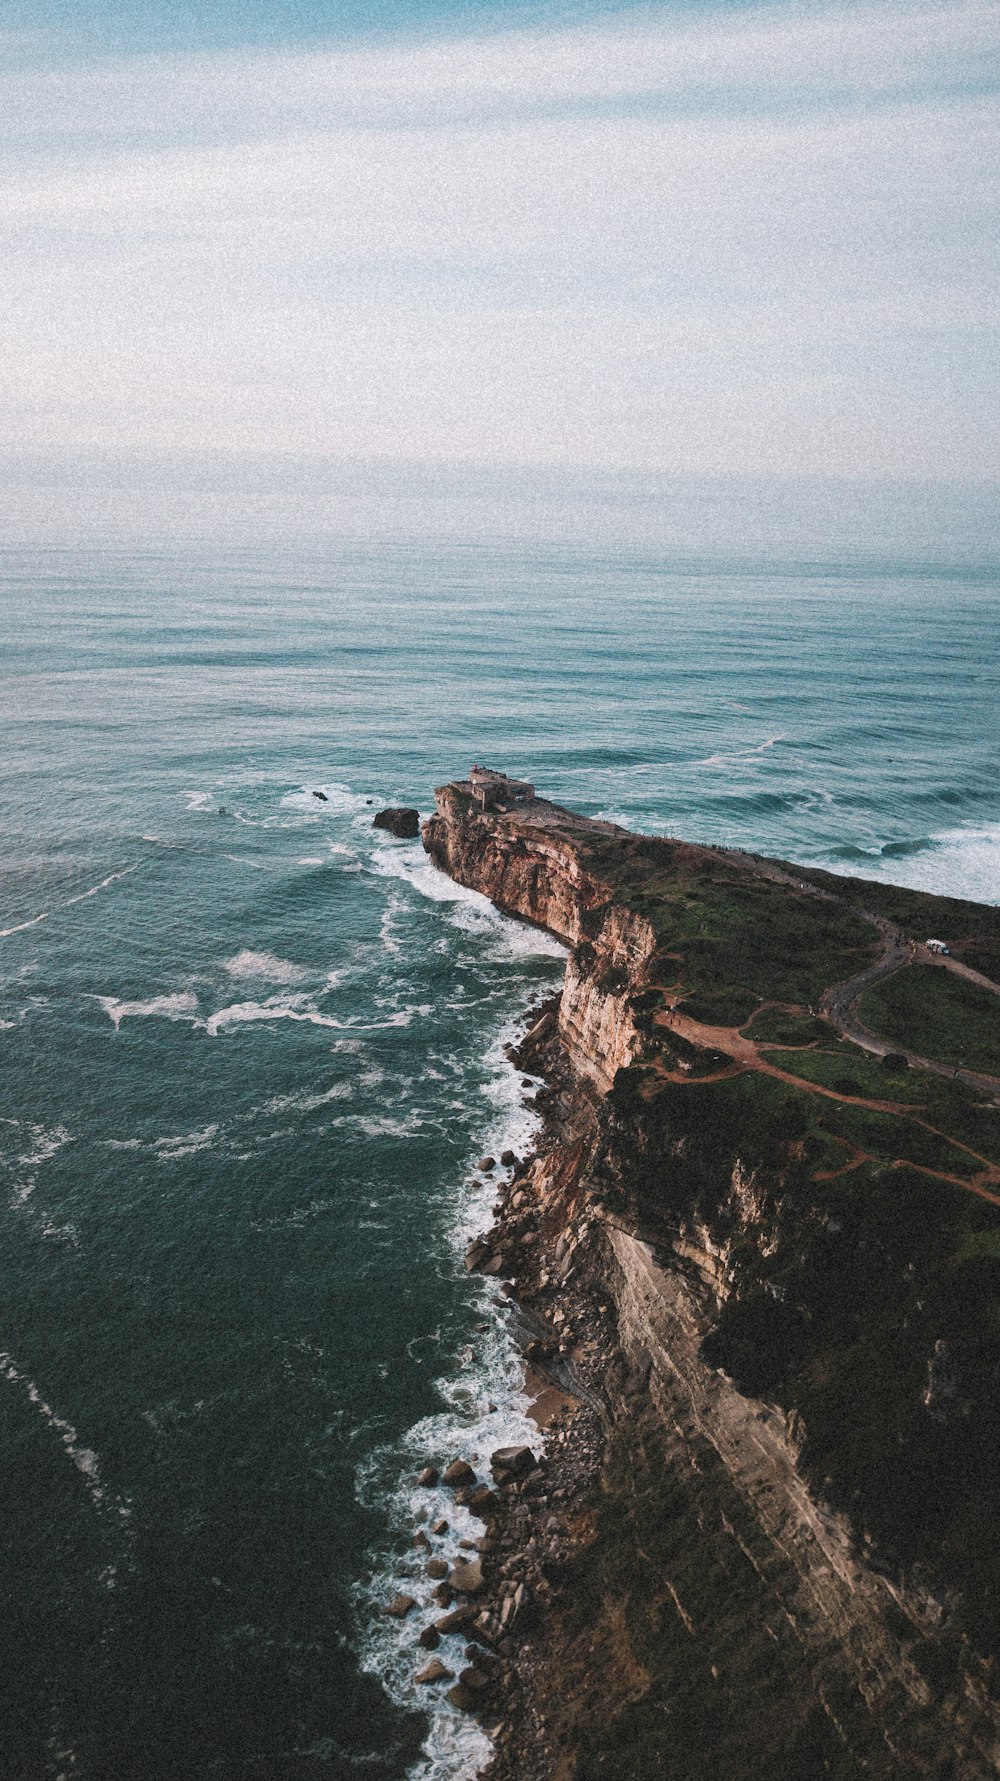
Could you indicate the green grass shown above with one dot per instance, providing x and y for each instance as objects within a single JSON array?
[
  {"x": 852, "y": 1071},
  {"x": 774, "y": 1027},
  {"x": 736, "y": 933},
  {"x": 927, "y": 1010},
  {"x": 971, "y": 930},
  {"x": 977, "y": 1243}
]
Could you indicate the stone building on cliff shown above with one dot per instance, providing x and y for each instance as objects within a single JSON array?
[{"x": 495, "y": 791}]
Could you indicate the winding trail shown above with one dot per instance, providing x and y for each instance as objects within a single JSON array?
[{"x": 745, "y": 1056}]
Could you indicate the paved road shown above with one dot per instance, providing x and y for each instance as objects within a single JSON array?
[{"x": 839, "y": 1004}]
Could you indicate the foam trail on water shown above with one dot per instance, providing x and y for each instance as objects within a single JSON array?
[
  {"x": 742, "y": 754},
  {"x": 180, "y": 1006},
  {"x": 20, "y": 926},
  {"x": 113, "y": 1508},
  {"x": 112, "y": 878}
]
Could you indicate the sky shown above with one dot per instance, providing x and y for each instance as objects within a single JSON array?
[{"x": 700, "y": 239}]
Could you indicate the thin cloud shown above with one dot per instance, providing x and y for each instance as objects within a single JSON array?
[{"x": 753, "y": 242}]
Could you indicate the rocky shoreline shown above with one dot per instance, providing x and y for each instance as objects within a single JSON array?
[{"x": 501, "y": 1594}]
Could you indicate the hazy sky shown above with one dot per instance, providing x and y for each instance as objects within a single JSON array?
[{"x": 710, "y": 238}]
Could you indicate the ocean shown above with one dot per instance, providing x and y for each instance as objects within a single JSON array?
[{"x": 252, "y": 1050}]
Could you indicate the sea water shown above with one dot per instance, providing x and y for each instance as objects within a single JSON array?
[{"x": 252, "y": 1049}]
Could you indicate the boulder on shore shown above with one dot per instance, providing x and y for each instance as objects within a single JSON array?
[
  {"x": 511, "y": 1462},
  {"x": 458, "y": 1473},
  {"x": 462, "y": 1698},
  {"x": 454, "y": 1622},
  {"x": 400, "y": 821},
  {"x": 467, "y": 1579}
]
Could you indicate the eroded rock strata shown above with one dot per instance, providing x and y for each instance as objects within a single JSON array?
[{"x": 762, "y": 1540}]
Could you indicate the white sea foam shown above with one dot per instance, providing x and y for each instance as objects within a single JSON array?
[
  {"x": 305, "y": 1103},
  {"x": 739, "y": 754},
  {"x": 39, "y": 1144},
  {"x": 962, "y": 862},
  {"x": 200, "y": 800},
  {"x": 488, "y": 1372},
  {"x": 264, "y": 967},
  {"x": 181, "y": 1005},
  {"x": 293, "y": 1007},
  {"x": 184, "y": 1143},
  {"x": 471, "y": 912},
  {"x": 383, "y": 1125}
]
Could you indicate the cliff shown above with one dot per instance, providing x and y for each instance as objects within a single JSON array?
[
  {"x": 534, "y": 863},
  {"x": 770, "y": 1257}
]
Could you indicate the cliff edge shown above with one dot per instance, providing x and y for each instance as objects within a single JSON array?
[{"x": 760, "y": 1242}]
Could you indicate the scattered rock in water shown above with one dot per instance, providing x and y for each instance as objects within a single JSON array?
[
  {"x": 437, "y": 1568},
  {"x": 421, "y": 1542},
  {"x": 440, "y": 1527},
  {"x": 428, "y": 1477},
  {"x": 400, "y": 821},
  {"x": 467, "y": 1578},
  {"x": 444, "y": 1595},
  {"x": 486, "y": 1163},
  {"x": 400, "y": 1605},
  {"x": 459, "y": 1472},
  {"x": 508, "y": 1158},
  {"x": 322, "y": 797},
  {"x": 429, "y": 1638},
  {"x": 435, "y": 1671}
]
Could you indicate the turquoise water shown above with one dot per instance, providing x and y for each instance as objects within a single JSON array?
[{"x": 250, "y": 1049}]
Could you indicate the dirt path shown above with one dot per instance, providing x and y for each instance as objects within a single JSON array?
[{"x": 745, "y": 1055}]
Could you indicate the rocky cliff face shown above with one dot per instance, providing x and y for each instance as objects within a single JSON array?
[
  {"x": 745, "y": 1627},
  {"x": 528, "y": 868}
]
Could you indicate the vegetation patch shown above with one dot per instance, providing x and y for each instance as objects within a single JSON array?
[
  {"x": 935, "y": 1014},
  {"x": 849, "y": 1070},
  {"x": 970, "y": 930},
  {"x": 773, "y": 1026}
]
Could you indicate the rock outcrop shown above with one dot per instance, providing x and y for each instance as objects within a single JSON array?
[
  {"x": 400, "y": 821},
  {"x": 529, "y": 866}
]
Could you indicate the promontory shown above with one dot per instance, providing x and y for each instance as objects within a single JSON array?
[{"x": 757, "y": 1254}]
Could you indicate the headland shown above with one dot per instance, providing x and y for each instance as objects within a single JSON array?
[{"x": 757, "y": 1253}]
